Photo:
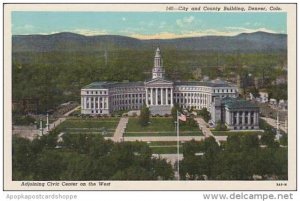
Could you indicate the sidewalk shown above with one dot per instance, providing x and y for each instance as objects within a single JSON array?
[
  {"x": 60, "y": 120},
  {"x": 206, "y": 131},
  {"x": 119, "y": 132}
]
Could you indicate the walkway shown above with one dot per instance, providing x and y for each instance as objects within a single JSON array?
[
  {"x": 61, "y": 119},
  {"x": 203, "y": 126},
  {"x": 119, "y": 132}
]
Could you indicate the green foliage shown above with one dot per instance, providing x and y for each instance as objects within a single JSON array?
[
  {"x": 144, "y": 117},
  {"x": 284, "y": 140},
  {"x": 174, "y": 111},
  {"x": 220, "y": 126},
  {"x": 240, "y": 158},
  {"x": 204, "y": 113},
  {"x": 57, "y": 77},
  {"x": 23, "y": 119},
  {"x": 86, "y": 157},
  {"x": 254, "y": 91},
  {"x": 278, "y": 92}
]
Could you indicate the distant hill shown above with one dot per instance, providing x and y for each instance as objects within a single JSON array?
[{"x": 65, "y": 41}]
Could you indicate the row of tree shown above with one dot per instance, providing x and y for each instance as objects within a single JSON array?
[
  {"x": 240, "y": 158},
  {"x": 86, "y": 157}
]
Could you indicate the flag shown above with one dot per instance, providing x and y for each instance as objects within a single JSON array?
[{"x": 182, "y": 117}]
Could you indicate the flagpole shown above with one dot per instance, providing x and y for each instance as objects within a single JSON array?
[{"x": 178, "y": 146}]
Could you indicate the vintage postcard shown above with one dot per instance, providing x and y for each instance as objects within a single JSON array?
[{"x": 150, "y": 97}]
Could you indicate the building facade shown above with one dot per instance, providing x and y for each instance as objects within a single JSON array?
[
  {"x": 158, "y": 93},
  {"x": 235, "y": 113}
]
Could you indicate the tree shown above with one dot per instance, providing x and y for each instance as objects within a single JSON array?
[
  {"x": 145, "y": 116},
  {"x": 254, "y": 91},
  {"x": 205, "y": 114},
  {"x": 220, "y": 126},
  {"x": 49, "y": 166},
  {"x": 233, "y": 143},
  {"x": 174, "y": 110},
  {"x": 162, "y": 169}
]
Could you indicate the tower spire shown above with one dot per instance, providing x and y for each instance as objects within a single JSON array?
[{"x": 158, "y": 70}]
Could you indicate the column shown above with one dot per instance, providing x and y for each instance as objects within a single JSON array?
[
  {"x": 166, "y": 96},
  {"x": 156, "y": 96},
  {"x": 172, "y": 97},
  {"x": 147, "y": 96},
  {"x": 256, "y": 118},
  {"x": 232, "y": 116},
  {"x": 249, "y": 118},
  {"x": 237, "y": 117},
  {"x": 151, "y": 96},
  {"x": 98, "y": 102},
  {"x": 161, "y": 96},
  {"x": 82, "y": 103},
  {"x": 243, "y": 118}
]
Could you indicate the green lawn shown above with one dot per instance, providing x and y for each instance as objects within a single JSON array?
[
  {"x": 165, "y": 150},
  {"x": 165, "y": 133},
  {"x": 102, "y": 126},
  {"x": 159, "y": 126},
  {"x": 228, "y": 133}
]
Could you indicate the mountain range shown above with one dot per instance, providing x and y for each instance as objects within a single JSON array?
[{"x": 66, "y": 41}]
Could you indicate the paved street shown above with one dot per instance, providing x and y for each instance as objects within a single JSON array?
[{"x": 273, "y": 123}]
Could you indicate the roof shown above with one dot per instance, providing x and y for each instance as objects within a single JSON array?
[
  {"x": 237, "y": 103},
  {"x": 202, "y": 83},
  {"x": 107, "y": 85}
]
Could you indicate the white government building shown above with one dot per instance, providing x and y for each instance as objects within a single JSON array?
[{"x": 158, "y": 93}]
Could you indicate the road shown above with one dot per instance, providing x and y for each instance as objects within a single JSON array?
[{"x": 273, "y": 123}]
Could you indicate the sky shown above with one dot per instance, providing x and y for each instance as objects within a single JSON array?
[{"x": 147, "y": 25}]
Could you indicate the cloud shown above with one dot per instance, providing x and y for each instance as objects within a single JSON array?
[
  {"x": 185, "y": 21},
  {"x": 162, "y": 25},
  {"x": 237, "y": 30},
  {"x": 230, "y": 31},
  {"x": 89, "y": 32},
  {"x": 26, "y": 28}
]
